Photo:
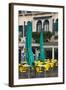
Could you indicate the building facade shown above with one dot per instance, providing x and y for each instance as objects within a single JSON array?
[{"x": 45, "y": 21}]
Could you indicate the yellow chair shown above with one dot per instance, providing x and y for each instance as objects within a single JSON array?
[
  {"x": 56, "y": 62},
  {"x": 23, "y": 68},
  {"x": 38, "y": 69},
  {"x": 47, "y": 66},
  {"x": 53, "y": 63},
  {"x": 38, "y": 62},
  {"x": 38, "y": 66},
  {"x": 48, "y": 61}
]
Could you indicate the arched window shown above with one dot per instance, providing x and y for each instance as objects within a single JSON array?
[
  {"x": 56, "y": 23},
  {"x": 46, "y": 25},
  {"x": 39, "y": 26},
  {"x": 55, "y": 26}
]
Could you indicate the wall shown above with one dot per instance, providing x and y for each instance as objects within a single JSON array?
[
  {"x": 34, "y": 22},
  {"x": 4, "y": 44}
]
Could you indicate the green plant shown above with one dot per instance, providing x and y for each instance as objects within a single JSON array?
[{"x": 46, "y": 35}]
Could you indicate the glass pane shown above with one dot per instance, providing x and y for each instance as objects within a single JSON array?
[
  {"x": 21, "y": 31},
  {"x": 19, "y": 55},
  {"x": 48, "y": 53},
  {"x": 25, "y": 27},
  {"x": 56, "y": 53}
]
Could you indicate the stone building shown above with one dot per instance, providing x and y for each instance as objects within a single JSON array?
[{"x": 46, "y": 21}]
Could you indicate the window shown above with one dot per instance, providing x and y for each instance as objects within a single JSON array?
[
  {"x": 20, "y": 12},
  {"x": 20, "y": 31},
  {"x": 55, "y": 26},
  {"x": 25, "y": 27},
  {"x": 39, "y": 26},
  {"x": 46, "y": 25},
  {"x": 19, "y": 55},
  {"x": 48, "y": 53},
  {"x": 56, "y": 53}
]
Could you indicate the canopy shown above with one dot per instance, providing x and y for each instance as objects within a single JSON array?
[
  {"x": 42, "y": 53},
  {"x": 29, "y": 53}
]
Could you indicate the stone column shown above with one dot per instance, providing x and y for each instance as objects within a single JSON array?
[
  {"x": 50, "y": 24},
  {"x": 52, "y": 52}
]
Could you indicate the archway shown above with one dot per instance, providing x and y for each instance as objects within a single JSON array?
[
  {"x": 39, "y": 26},
  {"x": 46, "y": 25}
]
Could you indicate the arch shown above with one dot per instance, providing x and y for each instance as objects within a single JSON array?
[
  {"x": 39, "y": 26},
  {"x": 53, "y": 25},
  {"x": 46, "y": 25},
  {"x": 56, "y": 24}
]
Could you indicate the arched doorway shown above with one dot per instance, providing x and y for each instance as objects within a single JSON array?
[
  {"x": 39, "y": 26},
  {"x": 46, "y": 25}
]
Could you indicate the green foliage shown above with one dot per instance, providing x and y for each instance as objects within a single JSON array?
[
  {"x": 35, "y": 36},
  {"x": 46, "y": 35}
]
